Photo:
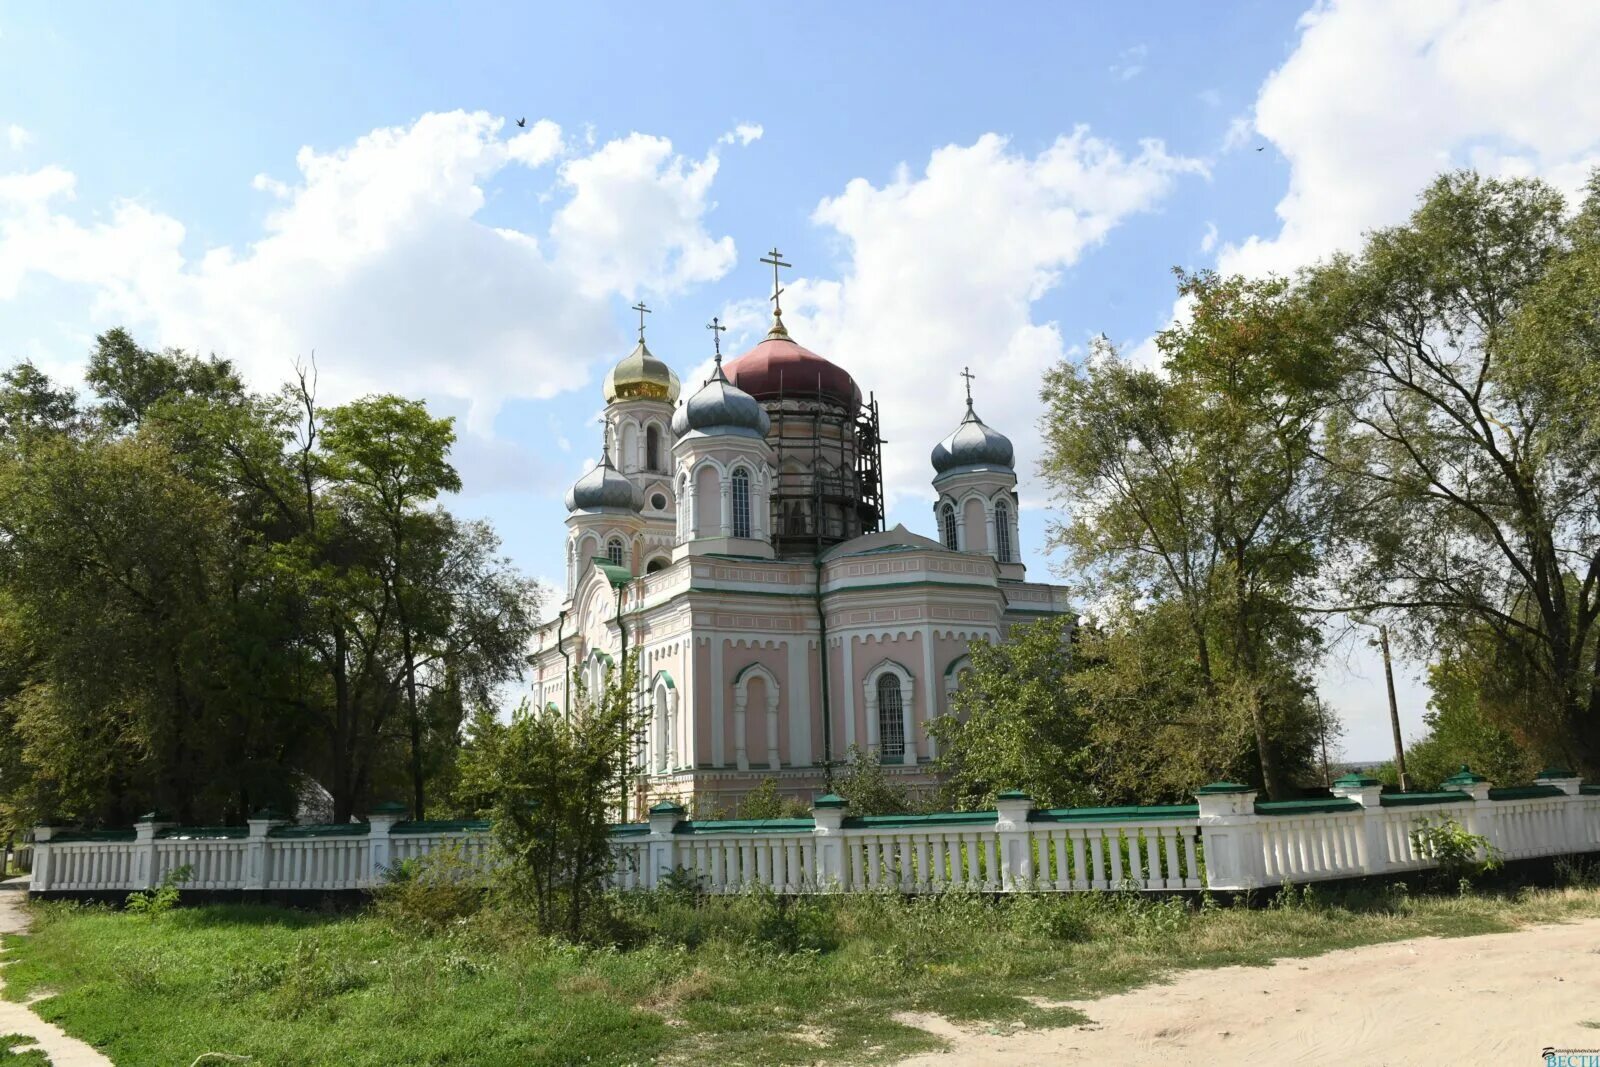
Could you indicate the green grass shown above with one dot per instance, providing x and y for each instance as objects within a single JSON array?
[
  {"x": 746, "y": 980},
  {"x": 15, "y": 1051}
]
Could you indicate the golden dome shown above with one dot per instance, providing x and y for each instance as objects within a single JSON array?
[{"x": 641, "y": 376}]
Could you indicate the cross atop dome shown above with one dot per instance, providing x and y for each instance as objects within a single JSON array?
[
  {"x": 966, "y": 372},
  {"x": 716, "y": 328},
  {"x": 776, "y": 259},
  {"x": 643, "y": 311}
]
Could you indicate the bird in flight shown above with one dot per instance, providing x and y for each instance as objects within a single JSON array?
[
  {"x": 524, "y": 122},
  {"x": 1260, "y": 148}
]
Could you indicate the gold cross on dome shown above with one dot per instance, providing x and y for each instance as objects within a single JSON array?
[
  {"x": 776, "y": 259},
  {"x": 643, "y": 311},
  {"x": 966, "y": 372}
]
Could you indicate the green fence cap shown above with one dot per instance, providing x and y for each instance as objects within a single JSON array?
[
  {"x": 1224, "y": 787},
  {"x": 667, "y": 807},
  {"x": 154, "y": 816},
  {"x": 1356, "y": 781},
  {"x": 1464, "y": 776},
  {"x": 1554, "y": 772},
  {"x": 388, "y": 807},
  {"x": 829, "y": 800},
  {"x": 1012, "y": 794}
]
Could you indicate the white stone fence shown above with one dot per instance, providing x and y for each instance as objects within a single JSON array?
[{"x": 1228, "y": 840}]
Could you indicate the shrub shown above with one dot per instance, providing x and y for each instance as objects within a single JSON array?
[
  {"x": 432, "y": 891},
  {"x": 1458, "y": 856},
  {"x": 164, "y": 897},
  {"x": 765, "y": 802}
]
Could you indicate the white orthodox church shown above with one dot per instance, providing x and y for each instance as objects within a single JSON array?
[{"x": 734, "y": 543}]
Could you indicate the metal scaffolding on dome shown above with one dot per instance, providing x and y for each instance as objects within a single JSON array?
[{"x": 829, "y": 484}]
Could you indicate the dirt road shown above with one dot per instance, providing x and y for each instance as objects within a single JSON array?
[{"x": 1493, "y": 999}]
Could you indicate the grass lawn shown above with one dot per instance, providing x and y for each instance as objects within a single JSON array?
[{"x": 745, "y": 980}]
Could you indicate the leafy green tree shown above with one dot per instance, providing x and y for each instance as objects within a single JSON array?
[
  {"x": 1197, "y": 487},
  {"x": 550, "y": 783},
  {"x": 1466, "y": 435},
  {"x": 1016, "y": 723},
  {"x": 387, "y": 456}
]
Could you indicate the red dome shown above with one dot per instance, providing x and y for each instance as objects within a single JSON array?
[{"x": 778, "y": 366}]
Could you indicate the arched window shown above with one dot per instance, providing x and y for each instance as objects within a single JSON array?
[
  {"x": 740, "y": 500},
  {"x": 652, "y": 448},
  {"x": 655, "y": 565},
  {"x": 1002, "y": 533},
  {"x": 891, "y": 718},
  {"x": 614, "y": 551},
  {"x": 947, "y": 525}
]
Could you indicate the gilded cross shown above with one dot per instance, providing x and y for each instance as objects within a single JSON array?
[{"x": 643, "y": 311}]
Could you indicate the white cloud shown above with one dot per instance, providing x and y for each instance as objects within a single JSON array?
[
  {"x": 1378, "y": 98},
  {"x": 375, "y": 258},
  {"x": 1240, "y": 131},
  {"x": 744, "y": 133},
  {"x": 1209, "y": 240},
  {"x": 943, "y": 272},
  {"x": 17, "y": 137},
  {"x": 635, "y": 219},
  {"x": 1209, "y": 97},
  {"x": 1130, "y": 62}
]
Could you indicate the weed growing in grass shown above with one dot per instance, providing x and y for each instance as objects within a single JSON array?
[
  {"x": 1458, "y": 856},
  {"x": 164, "y": 897},
  {"x": 431, "y": 891}
]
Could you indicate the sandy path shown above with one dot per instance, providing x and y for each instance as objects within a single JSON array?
[
  {"x": 15, "y": 1018},
  {"x": 1492, "y": 999}
]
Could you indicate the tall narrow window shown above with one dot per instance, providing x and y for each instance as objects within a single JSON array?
[
  {"x": 741, "y": 503},
  {"x": 947, "y": 525},
  {"x": 614, "y": 551},
  {"x": 652, "y": 448},
  {"x": 891, "y": 721},
  {"x": 1002, "y": 533}
]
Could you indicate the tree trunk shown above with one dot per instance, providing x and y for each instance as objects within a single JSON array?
[
  {"x": 343, "y": 741},
  {"x": 418, "y": 800}
]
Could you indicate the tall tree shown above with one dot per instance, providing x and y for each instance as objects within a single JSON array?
[
  {"x": 1467, "y": 427},
  {"x": 1195, "y": 486},
  {"x": 387, "y": 457}
]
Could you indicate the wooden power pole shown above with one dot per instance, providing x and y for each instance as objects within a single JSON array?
[{"x": 1394, "y": 711}]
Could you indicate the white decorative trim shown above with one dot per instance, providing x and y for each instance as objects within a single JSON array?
[
  {"x": 869, "y": 688},
  {"x": 741, "y": 698}
]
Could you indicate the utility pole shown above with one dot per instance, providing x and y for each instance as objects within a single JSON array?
[{"x": 1394, "y": 711}]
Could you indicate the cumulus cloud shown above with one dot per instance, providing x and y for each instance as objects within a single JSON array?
[
  {"x": 17, "y": 137},
  {"x": 943, "y": 271},
  {"x": 375, "y": 257},
  {"x": 744, "y": 133},
  {"x": 1209, "y": 240},
  {"x": 1377, "y": 98}
]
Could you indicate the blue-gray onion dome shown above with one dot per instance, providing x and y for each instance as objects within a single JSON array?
[
  {"x": 972, "y": 446},
  {"x": 720, "y": 407},
  {"x": 604, "y": 487}
]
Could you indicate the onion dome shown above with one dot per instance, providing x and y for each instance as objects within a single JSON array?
[
  {"x": 780, "y": 367},
  {"x": 973, "y": 446},
  {"x": 720, "y": 407},
  {"x": 603, "y": 487},
  {"x": 641, "y": 375}
]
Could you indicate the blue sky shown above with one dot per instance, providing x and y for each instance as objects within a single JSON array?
[{"x": 953, "y": 186}]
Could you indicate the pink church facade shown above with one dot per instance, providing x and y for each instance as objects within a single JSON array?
[{"x": 734, "y": 545}]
